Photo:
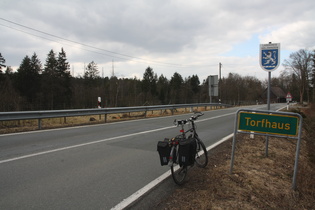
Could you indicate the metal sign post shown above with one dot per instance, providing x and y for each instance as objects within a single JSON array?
[
  {"x": 269, "y": 60},
  {"x": 213, "y": 86},
  {"x": 289, "y": 98}
]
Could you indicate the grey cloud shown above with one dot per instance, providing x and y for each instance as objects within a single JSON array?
[{"x": 172, "y": 31}]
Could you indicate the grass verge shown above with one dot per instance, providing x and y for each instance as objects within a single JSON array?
[{"x": 257, "y": 181}]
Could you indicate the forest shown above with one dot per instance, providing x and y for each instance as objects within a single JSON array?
[{"x": 34, "y": 86}]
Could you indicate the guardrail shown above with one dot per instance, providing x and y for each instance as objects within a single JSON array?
[{"x": 28, "y": 115}]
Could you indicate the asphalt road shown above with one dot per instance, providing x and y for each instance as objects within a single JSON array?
[{"x": 93, "y": 167}]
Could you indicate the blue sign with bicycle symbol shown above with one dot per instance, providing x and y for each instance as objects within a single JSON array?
[{"x": 269, "y": 56}]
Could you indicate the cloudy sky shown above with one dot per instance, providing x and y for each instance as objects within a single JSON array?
[{"x": 188, "y": 37}]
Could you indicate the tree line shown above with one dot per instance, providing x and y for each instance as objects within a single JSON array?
[{"x": 34, "y": 86}]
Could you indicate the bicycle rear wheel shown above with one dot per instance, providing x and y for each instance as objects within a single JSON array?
[
  {"x": 201, "y": 157},
  {"x": 178, "y": 172}
]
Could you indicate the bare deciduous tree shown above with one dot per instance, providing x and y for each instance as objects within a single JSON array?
[{"x": 300, "y": 63}]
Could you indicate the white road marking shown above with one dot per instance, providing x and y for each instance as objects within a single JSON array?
[
  {"x": 81, "y": 145},
  {"x": 96, "y": 142},
  {"x": 79, "y": 127},
  {"x": 135, "y": 196},
  {"x": 132, "y": 198}
]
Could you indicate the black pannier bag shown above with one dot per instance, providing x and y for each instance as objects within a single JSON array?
[
  {"x": 187, "y": 151},
  {"x": 164, "y": 150}
]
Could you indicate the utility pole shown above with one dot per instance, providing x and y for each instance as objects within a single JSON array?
[
  {"x": 113, "y": 70},
  {"x": 220, "y": 65}
]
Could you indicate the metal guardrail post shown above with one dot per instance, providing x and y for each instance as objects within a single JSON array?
[{"x": 39, "y": 124}]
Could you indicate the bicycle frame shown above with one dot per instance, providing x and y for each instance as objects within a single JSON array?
[
  {"x": 179, "y": 171},
  {"x": 192, "y": 130}
]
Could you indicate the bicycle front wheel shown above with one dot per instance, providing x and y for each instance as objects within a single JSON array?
[
  {"x": 178, "y": 173},
  {"x": 201, "y": 157}
]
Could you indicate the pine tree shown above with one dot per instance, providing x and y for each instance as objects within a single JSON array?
[
  {"x": 56, "y": 81},
  {"x": 51, "y": 64},
  {"x": 28, "y": 79},
  {"x": 10, "y": 98},
  {"x": 194, "y": 84},
  {"x": 91, "y": 82},
  {"x": 2, "y": 62},
  {"x": 49, "y": 81},
  {"x": 163, "y": 89},
  {"x": 63, "y": 66},
  {"x": 149, "y": 85},
  {"x": 91, "y": 71},
  {"x": 64, "y": 81},
  {"x": 176, "y": 84}
]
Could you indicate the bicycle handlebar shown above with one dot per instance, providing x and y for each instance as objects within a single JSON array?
[
  {"x": 199, "y": 114},
  {"x": 191, "y": 119}
]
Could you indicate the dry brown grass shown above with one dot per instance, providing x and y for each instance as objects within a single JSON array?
[
  {"x": 30, "y": 125},
  {"x": 257, "y": 181}
]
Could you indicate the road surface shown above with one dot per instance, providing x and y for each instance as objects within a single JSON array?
[{"x": 93, "y": 167}]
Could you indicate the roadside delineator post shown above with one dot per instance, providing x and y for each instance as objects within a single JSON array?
[{"x": 99, "y": 102}]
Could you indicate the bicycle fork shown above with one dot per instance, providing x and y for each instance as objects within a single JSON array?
[{"x": 173, "y": 153}]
